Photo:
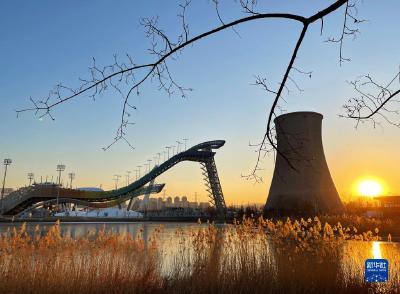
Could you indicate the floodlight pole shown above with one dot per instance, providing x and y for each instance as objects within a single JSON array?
[
  {"x": 7, "y": 162},
  {"x": 30, "y": 177},
  {"x": 128, "y": 177},
  {"x": 71, "y": 177},
  {"x": 155, "y": 161},
  {"x": 116, "y": 178},
  {"x": 149, "y": 160},
  {"x": 177, "y": 147},
  {"x": 60, "y": 168},
  {"x": 185, "y": 140}
]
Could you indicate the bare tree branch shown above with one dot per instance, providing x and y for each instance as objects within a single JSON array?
[
  {"x": 163, "y": 48},
  {"x": 350, "y": 14},
  {"x": 374, "y": 101}
]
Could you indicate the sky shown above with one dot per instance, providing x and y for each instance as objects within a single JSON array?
[{"x": 46, "y": 42}]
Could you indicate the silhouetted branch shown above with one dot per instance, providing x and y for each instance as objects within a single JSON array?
[
  {"x": 269, "y": 135},
  {"x": 249, "y": 6},
  {"x": 131, "y": 75},
  {"x": 216, "y": 3},
  {"x": 374, "y": 101},
  {"x": 185, "y": 34},
  {"x": 350, "y": 14}
]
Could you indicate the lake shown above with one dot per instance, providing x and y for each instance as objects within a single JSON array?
[{"x": 175, "y": 241}]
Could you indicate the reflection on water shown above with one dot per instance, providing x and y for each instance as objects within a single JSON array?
[
  {"x": 77, "y": 230},
  {"x": 355, "y": 253},
  {"x": 180, "y": 244},
  {"x": 376, "y": 250}
]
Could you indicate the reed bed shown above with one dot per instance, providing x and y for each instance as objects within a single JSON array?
[{"x": 249, "y": 256}]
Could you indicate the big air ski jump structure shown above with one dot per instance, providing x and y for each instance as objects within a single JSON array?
[
  {"x": 39, "y": 195},
  {"x": 307, "y": 185}
]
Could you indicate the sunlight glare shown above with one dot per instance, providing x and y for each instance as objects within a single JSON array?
[
  {"x": 376, "y": 250},
  {"x": 370, "y": 188}
]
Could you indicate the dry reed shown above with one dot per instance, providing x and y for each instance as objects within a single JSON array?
[{"x": 250, "y": 256}]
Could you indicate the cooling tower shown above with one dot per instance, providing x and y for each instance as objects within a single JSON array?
[{"x": 309, "y": 187}]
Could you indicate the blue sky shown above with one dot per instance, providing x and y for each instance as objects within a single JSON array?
[{"x": 46, "y": 42}]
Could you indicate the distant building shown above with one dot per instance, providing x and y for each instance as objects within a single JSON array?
[
  {"x": 184, "y": 202},
  {"x": 153, "y": 204},
  {"x": 193, "y": 205},
  {"x": 177, "y": 202},
  {"x": 380, "y": 206},
  {"x": 204, "y": 205},
  {"x": 388, "y": 201},
  {"x": 160, "y": 203},
  {"x": 8, "y": 191}
]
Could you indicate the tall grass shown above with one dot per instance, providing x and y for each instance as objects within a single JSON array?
[{"x": 250, "y": 256}]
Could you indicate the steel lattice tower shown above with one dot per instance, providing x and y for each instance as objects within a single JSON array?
[{"x": 213, "y": 185}]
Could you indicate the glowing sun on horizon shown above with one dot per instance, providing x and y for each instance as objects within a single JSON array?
[{"x": 369, "y": 188}]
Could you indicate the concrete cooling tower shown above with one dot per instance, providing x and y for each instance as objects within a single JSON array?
[{"x": 309, "y": 188}]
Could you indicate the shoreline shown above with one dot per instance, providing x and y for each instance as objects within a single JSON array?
[{"x": 106, "y": 220}]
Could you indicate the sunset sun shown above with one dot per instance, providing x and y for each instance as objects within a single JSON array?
[{"x": 369, "y": 188}]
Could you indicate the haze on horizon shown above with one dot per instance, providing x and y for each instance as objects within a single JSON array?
[{"x": 43, "y": 44}]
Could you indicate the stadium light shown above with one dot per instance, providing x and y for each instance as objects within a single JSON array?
[
  {"x": 7, "y": 162},
  {"x": 60, "y": 168}
]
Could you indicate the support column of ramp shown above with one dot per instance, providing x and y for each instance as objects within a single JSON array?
[{"x": 213, "y": 185}]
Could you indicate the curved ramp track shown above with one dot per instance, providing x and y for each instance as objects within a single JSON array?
[
  {"x": 148, "y": 189},
  {"x": 24, "y": 198}
]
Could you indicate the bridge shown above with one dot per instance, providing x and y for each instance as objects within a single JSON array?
[{"x": 38, "y": 195}]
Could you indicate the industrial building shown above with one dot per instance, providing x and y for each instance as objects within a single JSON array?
[{"x": 301, "y": 182}]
